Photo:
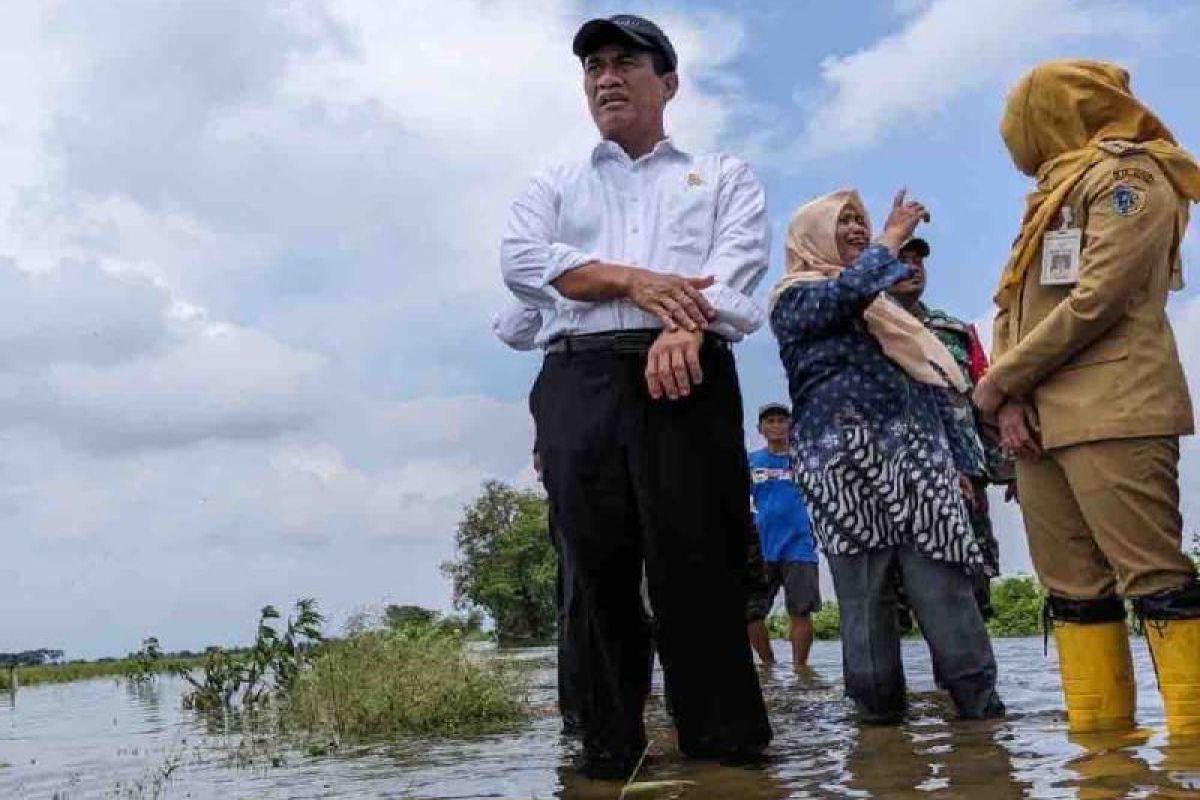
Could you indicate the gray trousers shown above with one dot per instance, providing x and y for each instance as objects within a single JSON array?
[{"x": 942, "y": 597}]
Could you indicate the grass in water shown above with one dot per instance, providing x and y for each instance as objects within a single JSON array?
[
  {"x": 84, "y": 670},
  {"x": 416, "y": 681}
]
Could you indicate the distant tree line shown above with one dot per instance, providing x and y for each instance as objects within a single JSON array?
[
  {"x": 31, "y": 658},
  {"x": 505, "y": 567}
]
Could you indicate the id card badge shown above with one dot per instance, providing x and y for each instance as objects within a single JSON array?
[{"x": 1062, "y": 251}]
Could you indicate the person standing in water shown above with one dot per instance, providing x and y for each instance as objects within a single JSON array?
[
  {"x": 785, "y": 537},
  {"x": 641, "y": 258},
  {"x": 880, "y": 455},
  {"x": 961, "y": 340},
  {"x": 1088, "y": 389}
]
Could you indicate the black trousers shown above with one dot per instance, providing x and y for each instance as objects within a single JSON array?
[
  {"x": 632, "y": 479},
  {"x": 566, "y": 691}
]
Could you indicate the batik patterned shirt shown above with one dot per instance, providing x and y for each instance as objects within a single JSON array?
[{"x": 878, "y": 454}]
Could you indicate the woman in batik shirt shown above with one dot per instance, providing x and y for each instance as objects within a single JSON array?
[{"x": 879, "y": 455}]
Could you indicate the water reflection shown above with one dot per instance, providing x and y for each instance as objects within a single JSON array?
[
  {"x": 98, "y": 738},
  {"x": 932, "y": 758}
]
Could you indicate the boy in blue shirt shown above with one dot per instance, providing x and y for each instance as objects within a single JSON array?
[{"x": 787, "y": 540}]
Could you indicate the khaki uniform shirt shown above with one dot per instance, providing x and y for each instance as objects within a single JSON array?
[{"x": 1098, "y": 359}]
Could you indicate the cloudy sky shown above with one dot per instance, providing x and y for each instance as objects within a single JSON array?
[{"x": 249, "y": 255}]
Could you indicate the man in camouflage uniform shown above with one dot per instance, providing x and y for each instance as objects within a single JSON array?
[{"x": 963, "y": 343}]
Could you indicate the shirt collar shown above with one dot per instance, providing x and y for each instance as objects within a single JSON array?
[{"x": 606, "y": 149}]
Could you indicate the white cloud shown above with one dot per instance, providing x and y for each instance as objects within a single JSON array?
[
  {"x": 252, "y": 255},
  {"x": 76, "y": 314},
  {"x": 944, "y": 49},
  {"x": 221, "y": 381}
]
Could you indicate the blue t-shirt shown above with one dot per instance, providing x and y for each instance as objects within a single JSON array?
[{"x": 779, "y": 510}]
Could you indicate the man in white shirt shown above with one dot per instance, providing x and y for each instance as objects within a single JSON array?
[{"x": 640, "y": 261}]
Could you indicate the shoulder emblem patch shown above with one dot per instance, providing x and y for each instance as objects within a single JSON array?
[{"x": 1128, "y": 199}]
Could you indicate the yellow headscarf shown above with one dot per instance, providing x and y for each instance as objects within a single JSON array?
[
  {"x": 812, "y": 255},
  {"x": 1055, "y": 123}
]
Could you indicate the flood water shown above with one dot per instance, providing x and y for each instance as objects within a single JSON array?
[{"x": 105, "y": 739}]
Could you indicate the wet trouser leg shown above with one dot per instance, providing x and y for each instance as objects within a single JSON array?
[
  {"x": 605, "y": 636},
  {"x": 870, "y": 631},
  {"x": 692, "y": 481},
  {"x": 568, "y": 704},
  {"x": 943, "y": 597},
  {"x": 632, "y": 479}
]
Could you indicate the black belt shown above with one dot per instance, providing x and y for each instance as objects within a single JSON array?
[{"x": 636, "y": 342}]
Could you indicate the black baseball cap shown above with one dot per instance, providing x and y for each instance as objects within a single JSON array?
[
  {"x": 916, "y": 245},
  {"x": 624, "y": 28},
  {"x": 773, "y": 408}
]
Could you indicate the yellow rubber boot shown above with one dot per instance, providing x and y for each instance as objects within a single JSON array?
[
  {"x": 1175, "y": 645},
  {"x": 1097, "y": 675}
]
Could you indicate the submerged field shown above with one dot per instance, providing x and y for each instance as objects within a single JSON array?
[
  {"x": 84, "y": 670},
  {"x": 111, "y": 739}
]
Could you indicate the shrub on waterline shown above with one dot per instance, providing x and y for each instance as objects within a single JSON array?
[
  {"x": 417, "y": 681},
  {"x": 1016, "y": 600},
  {"x": 826, "y": 623},
  {"x": 1017, "y": 603}
]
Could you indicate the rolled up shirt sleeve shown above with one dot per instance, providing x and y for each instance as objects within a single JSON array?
[
  {"x": 738, "y": 260},
  {"x": 529, "y": 257},
  {"x": 517, "y": 326}
]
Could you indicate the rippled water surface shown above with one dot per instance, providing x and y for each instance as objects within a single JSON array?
[{"x": 102, "y": 738}]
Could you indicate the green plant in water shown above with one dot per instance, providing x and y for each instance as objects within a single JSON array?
[
  {"x": 826, "y": 623},
  {"x": 418, "y": 679},
  {"x": 145, "y": 663},
  {"x": 268, "y": 667}
]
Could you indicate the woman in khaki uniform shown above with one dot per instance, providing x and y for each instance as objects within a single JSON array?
[{"x": 1088, "y": 387}]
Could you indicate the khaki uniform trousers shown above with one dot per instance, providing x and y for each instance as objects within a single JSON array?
[{"x": 1103, "y": 518}]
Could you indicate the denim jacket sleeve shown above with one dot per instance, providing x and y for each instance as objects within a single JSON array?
[{"x": 810, "y": 310}]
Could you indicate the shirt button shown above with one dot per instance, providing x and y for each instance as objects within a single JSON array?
[{"x": 635, "y": 228}]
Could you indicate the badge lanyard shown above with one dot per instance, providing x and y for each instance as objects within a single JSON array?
[{"x": 1062, "y": 252}]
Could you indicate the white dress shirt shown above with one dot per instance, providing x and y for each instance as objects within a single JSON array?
[
  {"x": 668, "y": 211},
  {"x": 517, "y": 325}
]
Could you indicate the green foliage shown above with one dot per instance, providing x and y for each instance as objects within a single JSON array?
[
  {"x": 88, "y": 670},
  {"x": 826, "y": 623},
  {"x": 144, "y": 663},
  {"x": 270, "y": 666},
  {"x": 10, "y": 662},
  {"x": 417, "y": 679},
  {"x": 1017, "y": 602},
  {"x": 30, "y": 658},
  {"x": 506, "y": 565},
  {"x": 405, "y": 618}
]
